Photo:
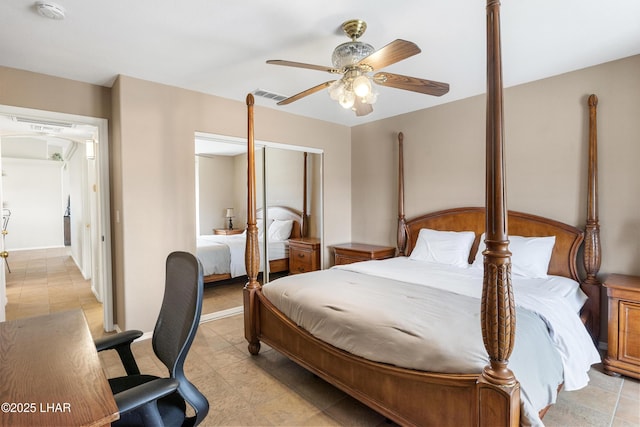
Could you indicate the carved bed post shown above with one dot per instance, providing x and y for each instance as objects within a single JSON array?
[
  {"x": 497, "y": 386},
  {"x": 591, "y": 285},
  {"x": 402, "y": 232},
  {"x": 252, "y": 252}
]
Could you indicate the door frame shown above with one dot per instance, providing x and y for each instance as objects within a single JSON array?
[{"x": 101, "y": 250}]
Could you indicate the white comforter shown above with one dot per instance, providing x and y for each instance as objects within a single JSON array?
[
  {"x": 222, "y": 254},
  {"x": 405, "y": 313}
]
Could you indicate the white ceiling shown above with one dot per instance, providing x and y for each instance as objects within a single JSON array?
[{"x": 221, "y": 47}]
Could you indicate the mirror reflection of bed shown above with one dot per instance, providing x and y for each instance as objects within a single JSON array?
[{"x": 288, "y": 196}]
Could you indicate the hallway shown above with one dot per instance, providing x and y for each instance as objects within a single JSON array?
[{"x": 45, "y": 281}]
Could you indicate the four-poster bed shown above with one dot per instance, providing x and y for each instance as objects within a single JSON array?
[{"x": 418, "y": 395}]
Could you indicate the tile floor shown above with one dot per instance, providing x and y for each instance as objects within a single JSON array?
[
  {"x": 46, "y": 281},
  {"x": 270, "y": 390},
  {"x": 267, "y": 390}
]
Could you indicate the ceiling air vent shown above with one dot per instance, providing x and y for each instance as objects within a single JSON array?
[
  {"x": 269, "y": 95},
  {"x": 42, "y": 122}
]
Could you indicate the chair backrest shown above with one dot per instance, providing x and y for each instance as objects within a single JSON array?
[{"x": 178, "y": 321}]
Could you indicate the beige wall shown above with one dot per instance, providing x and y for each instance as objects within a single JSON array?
[
  {"x": 157, "y": 203},
  {"x": 546, "y": 125},
  {"x": 152, "y": 169},
  {"x": 216, "y": 192},
  {"x": 25, "y": 89}
]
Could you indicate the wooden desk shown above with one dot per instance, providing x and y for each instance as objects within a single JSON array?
[{"x": 50, "y": 373}]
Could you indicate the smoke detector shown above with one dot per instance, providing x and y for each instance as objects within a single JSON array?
[{"x": 50, "y": 10}]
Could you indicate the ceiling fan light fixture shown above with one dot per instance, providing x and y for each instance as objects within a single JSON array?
[
  {"x": 336, "y": 90},
  {"x": 350, "y": 53},
  {"x": 362, "y": 86},
  {"x": 357, "y": 61},
  {"x": 370, "y": 98},
  {"x": 347, "y": 99}
]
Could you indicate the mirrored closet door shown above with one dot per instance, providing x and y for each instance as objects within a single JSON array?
[{"x": 289, "y": 200}]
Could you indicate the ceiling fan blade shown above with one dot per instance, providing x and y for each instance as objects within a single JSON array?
[
  {"x": 394, "y": 52},
  {"x": 302, "y": 65},
  {"x": 361, "y": 108},
  {"x": 414, "y": 84},
  {"x": 305, "y": 93}
]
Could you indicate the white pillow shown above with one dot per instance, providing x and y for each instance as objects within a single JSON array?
[
  {"x": 280, "y": 229},
  {"x": 530, "y": 256},
  {"x": 443, "y": 247},
  {"x": 260, "y": 225}
]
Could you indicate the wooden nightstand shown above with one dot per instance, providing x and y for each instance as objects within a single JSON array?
[
  {"x": 304, "y": 255},
  {"x": 227, "y": 232},
  {"x": 623, "y": 354},
  {"x": 355, "y": 252}
]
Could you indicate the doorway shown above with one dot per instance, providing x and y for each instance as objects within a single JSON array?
[{"x": 80, "y": 145}]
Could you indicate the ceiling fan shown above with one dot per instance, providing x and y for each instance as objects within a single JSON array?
[{"x": 356, "y": 61}]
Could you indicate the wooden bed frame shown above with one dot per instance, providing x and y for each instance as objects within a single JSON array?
[{"x": 418, "y": 398}]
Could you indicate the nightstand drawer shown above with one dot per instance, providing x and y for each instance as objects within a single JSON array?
[
  {"x": 629, "y": 332},
  {"x": 304, "y": 255},
  {"x": 623, "y": 349},
  {"x": 301, "y": 261}
]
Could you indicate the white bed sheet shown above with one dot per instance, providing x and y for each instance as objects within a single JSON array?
[
  {"x": 224, "y": 254},
  {"x": 556, "y": 299}
]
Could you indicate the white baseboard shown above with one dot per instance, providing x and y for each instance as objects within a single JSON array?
[
  {"x": 210, "y": 317},
  {"x": 221, "y": 314}
]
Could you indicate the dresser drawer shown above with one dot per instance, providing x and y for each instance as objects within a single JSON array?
[{"x": 304, "y": 255}]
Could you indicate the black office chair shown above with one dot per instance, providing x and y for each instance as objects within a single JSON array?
[{"x": 149, "y": 400}]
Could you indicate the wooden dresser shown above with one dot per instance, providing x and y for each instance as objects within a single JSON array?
[
  {"x": 623, "y": 354},
  {"x": 304, "y": 255},
  {"x": 355, "y": 252}
]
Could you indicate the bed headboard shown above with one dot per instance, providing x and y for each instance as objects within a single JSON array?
[
  {"x": 284, "y": 213},
  {"x": 568, "y": 238}
]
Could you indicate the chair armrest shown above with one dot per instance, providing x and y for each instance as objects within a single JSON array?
[
  {"x": 138, "y": 396},
  {"x": 121, "y": 342},
  {"x": 112, "y": 341}
]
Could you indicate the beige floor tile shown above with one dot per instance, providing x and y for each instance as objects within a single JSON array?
[
  {"x": 628, "y": 410},
  {"x": 268, "y": 389},
  {"x": 631, "y": 388},
  {"x": 39, "y": 285},
  {"x": 350, "y": 412},
  {"x": 288, "y": 409}
]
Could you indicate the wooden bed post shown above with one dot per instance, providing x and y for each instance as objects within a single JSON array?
[
  {"x": 304, "y": 222},
  {"x": 499, "y": 392},
  {"x": 402, "y": 232},
  {"x": 591, "y": 285},
  {"x": 252, "y": 252}
]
